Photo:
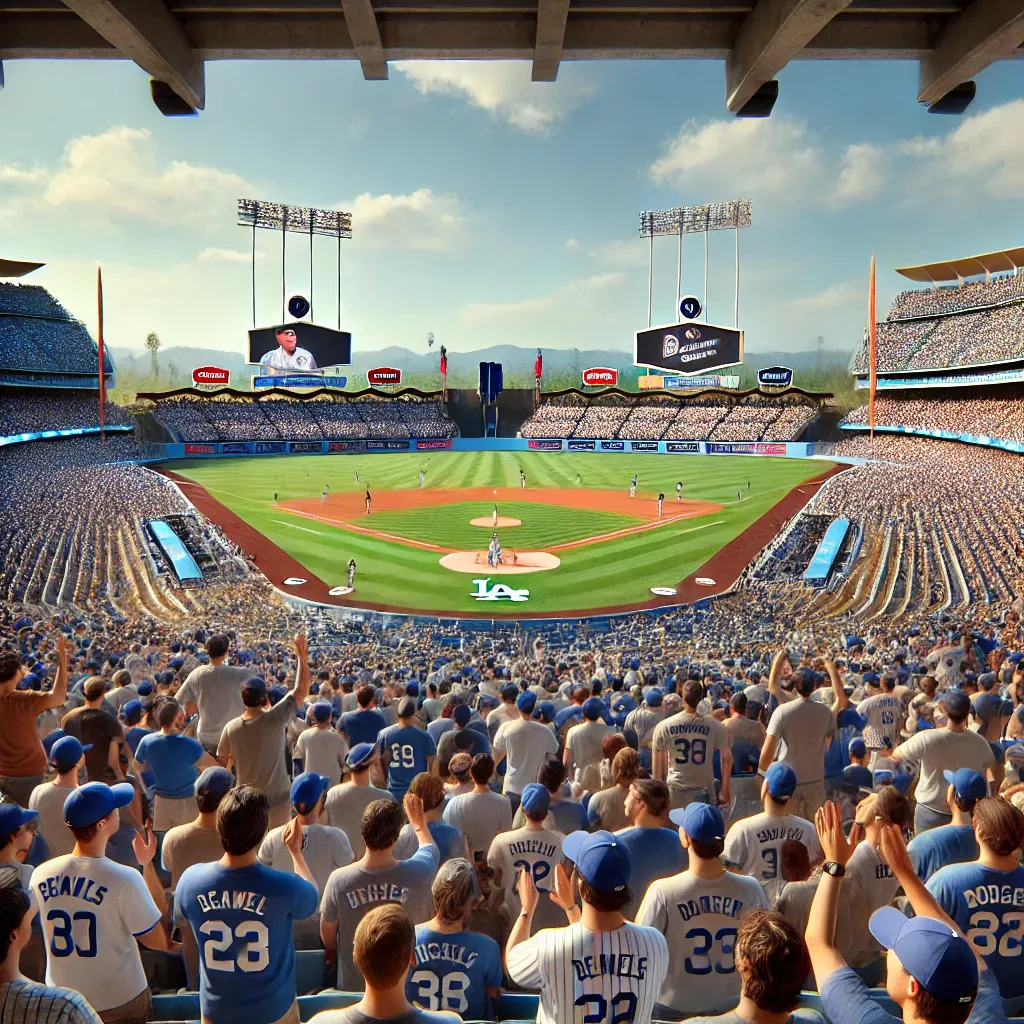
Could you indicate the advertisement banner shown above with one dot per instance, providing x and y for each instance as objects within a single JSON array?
[
  {"x": 643, "y": 446},
  {"x": 435, "y": 445},
  {"x": 383, "y": 375},
  {"x": 727, "y": 382},
  {"x": 614, "y": 446},
  {"x": 683, "y": 447},
  {"x": 270, "y": 448},
  {"x": 746, "y": 448},
  {"x": 236, "y": 448},
  {"x": 600, "y": 377},
  {"x": 775, "y": 377},
  {"x": 199, "y": 449},
  {"x": 210, "y": 375},
  {"x": 306, "y": 446},
  {"x": 688, "y": 347},
  {"x": 544, "y": 445},
  {"x": 387, "y": 446},
  {"x": 299, "y": 380},
  {"x": 581, "y": 446},
  {"x": 346, "y": 447}
]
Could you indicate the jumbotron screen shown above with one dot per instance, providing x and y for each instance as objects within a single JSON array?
[
  {"x": 689, "y": 347},
  {"x": 298, "y": 348}
]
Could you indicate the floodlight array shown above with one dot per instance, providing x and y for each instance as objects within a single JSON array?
[
  {"x": 688, "y": 220},
  {"x": 305, "y": 220}
]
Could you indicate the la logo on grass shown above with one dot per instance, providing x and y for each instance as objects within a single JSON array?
[{"x": 499, "y": 592}]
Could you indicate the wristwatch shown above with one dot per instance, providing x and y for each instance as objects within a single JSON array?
[{"x": 830, "y": 867}]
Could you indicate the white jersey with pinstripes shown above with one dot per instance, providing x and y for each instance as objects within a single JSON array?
[{"x": 587, "y": 976}]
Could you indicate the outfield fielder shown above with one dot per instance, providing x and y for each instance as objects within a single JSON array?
[
  {"x": 679, "y": 491},
  {"x": 323, "y": 497},
  {"x": 522, "y": 479},
  {"x": 423, "y": 476},
  {"x": 632, "y": 486},
  {"x": 661, "y": 502},
  {"x": 368, "y": 500},
  {"x": 352, "y": 573}
]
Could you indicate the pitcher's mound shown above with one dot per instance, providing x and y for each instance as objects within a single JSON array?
[
  {"x": 489, "y": 521},
  {"x": 476, "y": 562}
]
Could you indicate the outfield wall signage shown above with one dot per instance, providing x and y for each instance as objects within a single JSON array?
[
  {"x": 438, "y": 445},
  {"x": 746, "y": 448},
  {"x": 616, "y": 446},
  {"x": 499, "y": 592},
  {"x": 298, "y": 380},
  {"x": 688, "y": 347},
  {"x": 270, "y": 448},
  {"x": 601, "y": 377},
  {"x": 544, "y": 446},
  {"x": 200, "y": 449},
  {"x": 643, "y": 446},
  {"x": 580, "y": 446},
  {"x": 383, "y": 376},
  {"x": 305, "y": 446},
  {"x": 345, "y": 447},
  {"x": 210, "y": 376},
  {"x": 727, "y": 382},
  {"x": 775, "y": 377},
  {"x": 683, "y": 447},
  {"x": 236, "y": 448},
  {"x": 387, "y": 446}
]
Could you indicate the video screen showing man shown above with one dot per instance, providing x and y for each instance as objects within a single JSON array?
[{"x": 288, "y": 355}]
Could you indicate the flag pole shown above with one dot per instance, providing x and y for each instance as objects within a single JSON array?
[
  {"x": 872, "y": 353},
  {"x": 99, "y": 352}
]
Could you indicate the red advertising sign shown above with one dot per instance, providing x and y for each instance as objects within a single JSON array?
[
  {"x": 600, "y": 377},
  {"x": 383, "y": 375},
  {"x": 200, "y": 449},
  {"x": 210, "y": 375}
]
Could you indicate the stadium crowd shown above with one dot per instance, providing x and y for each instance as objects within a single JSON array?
[
  {"x": 922, "y": 302},
  {"x": 23, "y": 411},
  {"x": 38, "y": 334},
  {"x": 991, "y": 417}
]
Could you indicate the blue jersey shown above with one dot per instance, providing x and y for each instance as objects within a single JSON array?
[
  {"x": 172, "y": 761},
  {"x": 408, "y": 749},
  {"x": 569, "y": 816},
  {"x": 242, "y": 920},
  {"x": 363, "y": 726},
  {"x": 940, "y": 847},
  {"x": 134, "y": 736},
  {"x": 453, "y": 972},
  {"x": 849, "y": 725},
  {"x": 988, "y": 906},
  {"x": 653, "y": 853}
]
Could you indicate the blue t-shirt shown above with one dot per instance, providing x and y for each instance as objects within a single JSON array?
[
  {"x": 654, "y": 853},
  {"x": 246, "y": 955},
  {"x": 849, "y": 725},
  {"x": 989, "y": 906},
  {"x": 453, "y": 972},
  {"x": 847, "y": 1000},
  {"x": 408, "y": 749},
  {"x": 172, "y": 760},
  {"x": 363, "y": 726},
  {"x": 940, "y": 847},
  {"x": 449, "y": 841},
  {"x": 439, "y": 726},
  {"x": 134, "y": 735},
  {"x": 570, "y": 816}
]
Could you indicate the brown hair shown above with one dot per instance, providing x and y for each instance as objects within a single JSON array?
[
  {"x": 999, "y": 825},
  {"x": 772, "y": 960},
  {"x": 481, "y": 769},
  {"x": 612, "y": 744},
  {"x": 429, "y": 788},
  {"x": 693, "y": 693},
  {"x": 938, "y": 1011},
  {"x": 605, "y": 902},
  {"x": 383, "y": 944},
  {"x": 654, "y": 794},
  {"x": 796, "y": 861},
  {"x": 167, "y": 712},
  {"x": 625, "y": 766},
  {"x": 381, "y": 824},
  {"x": 94, "y": 687},
  {"x": 365, "y": 695}
]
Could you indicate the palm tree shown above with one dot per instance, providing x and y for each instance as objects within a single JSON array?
[{"x": 153, "y": 344}]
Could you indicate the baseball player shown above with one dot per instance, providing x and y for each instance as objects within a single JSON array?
[
  {"x": 423, "y": 476},
  {"x": 661, "y": 503},
  {"x": 602, "y": 967},
  {"x": 242, "y": 914},
  {"x": 494, "y": 551},
  {"x": 323, "y": 497},
  {"x": 522, "y": 479},
  {"x": 357, "y": 476},
  {"x": 699, "y": 912},
  {"x": 632, "y": 486},
  {"x": 679, "y": 490},
  {"x": 494, "y": 517},
  {"x": 579, "y": 479},
  {"x": 352, "y": 573},
  {"x": 288, "y": 355},
  {"x": 368, "y": 500}
]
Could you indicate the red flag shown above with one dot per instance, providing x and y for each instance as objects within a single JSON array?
[
  {"x": 444, "y": 362},
  {"x": 872, "y": 350},
  {"x": 538, "y": 366},
  {"x": 99, "y": 351}
]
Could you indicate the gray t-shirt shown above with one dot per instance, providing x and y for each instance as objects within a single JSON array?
[
  {"x": 804, "y": 729},
  {"x": 352, "y": 892},
  {"x": 479, "y": 817},
  {"x": 216, "y": 690},
  {"x": 322, "y": 751},
  {"x": 584, "y": 741},
  {"x": 732, "y": 1017},
  {"x": 48, "y": 800},
  {"x": 257, "y": 746},
  {"x": 353, "y": 1015},
  {"x": 938, "y": 749},
  {"x": 323, "y": 848},
  {"x": 345, "y": 805}
]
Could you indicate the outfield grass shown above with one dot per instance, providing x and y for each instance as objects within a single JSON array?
[{"x": 614, "y": 572}]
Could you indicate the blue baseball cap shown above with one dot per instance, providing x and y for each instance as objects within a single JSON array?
[
  {"x": 781, "y": 780},
  {"x": 307, "y": 790},
  {"x": 50, "y": 740},
  {"x": 567, "y": 715},
  {"x": 938, "y": 958},
  {"x": 509, "y": 692},
  {"x": 67, "y": 752},
  {"x": 256, "y": 684},
  {"x": 322, "y": 711},
  {"x": 462, "y": 715},
  {"x": 13, "y": 816},
  {"x": 361, "y": 755},
  {"x": 144, "y": 689},
  {"x": 653, "y": 698},
  {"x": 701, "y": 822},
  {"x": 857, "y": 747},
  {"x": 967, "y": 783},
  {"x": 956, "y": 702},
  {"x": 902, "y": 782},
  {"x": 601, "y": 858},
  {"x": 94, "y": 801},
  {"x": 214, "y": 781},
  {"x": 859, "y": 777},
  {"x": 592, "y": 708},
  {"x": 526, "y": 702},
  {"x": 536, "y": 799},
  {"x": 545, "y": 711}
]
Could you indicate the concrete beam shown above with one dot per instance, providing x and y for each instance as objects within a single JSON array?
[
  {"x": 771, "y": 35},
  {"x": 148, "y": 34},
  {"x": 547, "y": 53},
  {"x": 986, "y": 31},
  {"x": 362, "y": 27}
]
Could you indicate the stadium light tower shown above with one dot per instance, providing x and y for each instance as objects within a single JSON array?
[
  {"x": 302, "y": 220},
  {"x": 688, "y": 220}
]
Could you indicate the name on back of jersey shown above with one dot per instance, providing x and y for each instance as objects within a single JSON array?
[
  {"x": 986, "y": 895},
  {"x": 620, "y": 965},
  {"x": 76, "y": 886},
  {"x": 381, "y": 892},
  {"x": 449, "y": 952},
  {"x": 232, "y": 899},
  {"x": 545, "y": 849},
  {"x": 727, "y": 906},
  {"x": 773, "y": 834}
]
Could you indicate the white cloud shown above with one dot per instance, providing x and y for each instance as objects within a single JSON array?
[
  {"x": 860, "y": 173},
  {"x": 574, "y": 292},
  {"x": 420, "y": 221},
  {"x": 572, "y": 244},
  {"x": 213, "y": 254},
  {"x": 756, "y": 157},
  {"x": 835, "y": 296},
  {"x": 501, "y": 88},
  {"x": 118, "y": 172}
]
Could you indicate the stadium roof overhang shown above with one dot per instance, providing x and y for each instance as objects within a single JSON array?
[
  {"x": 172, "y": 39},
  {"x": 17, "y": 268},
  {"x": 970, "y": 266}
]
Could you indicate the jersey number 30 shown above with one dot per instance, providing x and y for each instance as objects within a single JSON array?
[{"x": 253, "y": 956}]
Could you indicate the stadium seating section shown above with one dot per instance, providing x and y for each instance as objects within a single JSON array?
[
  {"x": 38, "y": 334},
  {"x": 29, "y": 410},
  {"x": 958, "y": 413}
]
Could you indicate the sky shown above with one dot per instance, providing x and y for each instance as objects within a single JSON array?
[{"x": 491, "y": 210}]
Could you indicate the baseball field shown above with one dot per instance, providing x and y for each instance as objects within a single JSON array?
[{"x": 573, "y": 538}]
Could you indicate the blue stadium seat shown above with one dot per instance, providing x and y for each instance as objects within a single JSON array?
[
  {"x": 517, "y": 1006},
  {"x": 311, "y": 971},
  {"x": 176, "y": 1007},
  {"x": 309, "y": 1006}
]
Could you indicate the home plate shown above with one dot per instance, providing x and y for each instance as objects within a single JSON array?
[
  {"x": 490, "y": 521},
  {"x": 294, "y": 581},
  {"x": 476, "y": 562},
  {"x": 705, "y": 581},
  {"x": 664, "y": 591},
  {"x": 340, "y": 591}
]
